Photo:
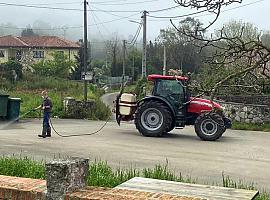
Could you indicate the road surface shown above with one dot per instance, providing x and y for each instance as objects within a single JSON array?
[{"x": 243, "y": 155}]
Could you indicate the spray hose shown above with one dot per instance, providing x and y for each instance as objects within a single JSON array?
[
  {"x": 77, "y": 135},
  {"x": 73, "y": 135}
]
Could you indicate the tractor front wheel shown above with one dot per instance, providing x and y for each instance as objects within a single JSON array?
[
  {"x": 209, "y": 126},
  {"x": 153, "y": 119}
]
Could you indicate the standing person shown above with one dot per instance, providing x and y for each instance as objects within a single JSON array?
[{"x": 46, "y": 106}]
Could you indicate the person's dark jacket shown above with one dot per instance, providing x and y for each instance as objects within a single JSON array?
[{"x": 47, "y": 103}]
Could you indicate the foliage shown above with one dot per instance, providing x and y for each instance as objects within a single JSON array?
[
  {"x": 79, "y": 67},
  {"x": 141, "y": 88},
  {"x": 230, "y": 57},
  {"x": 3, "y": 91},
  {"x": 181, "y": 52},
  {"x": 237, "y": 48},
  {"x": 134, "y": 63},
  {"x": 251, "y": 127},
  {"x": 28, "y": 32},
  {"x": 113, "y": 48},
  {"x": 22, "y": 167},
  {"x": 140, "y": 85},
  {"x": 59, "y": 66},
  {"x": 30, "y": 87},
  {"x": 6, "y": 70},
  {"x": 103, "y": 175}
]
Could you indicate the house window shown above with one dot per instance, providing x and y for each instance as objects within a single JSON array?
[
  {"x": 18, "y": 55},
  {"x": 38, "y": 54},
  {"x": 2, "y": 53}
]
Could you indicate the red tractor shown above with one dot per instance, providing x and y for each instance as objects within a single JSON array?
[{"x": 171, "y": 106}]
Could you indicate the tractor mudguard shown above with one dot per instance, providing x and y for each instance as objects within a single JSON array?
[
  {"x": 117, "y": 111},
  {"x": 161, "y": 99},
  {"x": 227, "y": 122}
]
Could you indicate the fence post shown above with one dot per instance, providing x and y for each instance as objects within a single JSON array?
[{"x": 65, "y": 176}]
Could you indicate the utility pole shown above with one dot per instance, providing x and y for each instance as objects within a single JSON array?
[
  {"x": 133, "y": 68},
  {"x": 164, "y": 61},
  {"x": 144, "y": 45},
  {"x": 85, "y": 50},
  {"x": 124, "y": 58}
]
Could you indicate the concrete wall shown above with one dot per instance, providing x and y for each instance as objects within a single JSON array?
[
  {"x": 4, "y": 59},
  {"x": 248, "y": 113}
]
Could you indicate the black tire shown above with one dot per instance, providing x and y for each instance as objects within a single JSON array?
[
  {"x": 171, "y": 127},
  {"x": 153, "y": 119},
  {"x": 209, "y": 126}
]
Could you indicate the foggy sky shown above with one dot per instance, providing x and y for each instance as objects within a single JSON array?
[{"x": 21, "y": 17}]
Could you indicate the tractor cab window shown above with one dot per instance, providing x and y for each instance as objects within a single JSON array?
[{"x": 169, "y": 89}]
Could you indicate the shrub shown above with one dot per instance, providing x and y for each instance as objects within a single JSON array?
[
  {"x": 6, "y": 70},
  {"x": 59, "y": 66}
]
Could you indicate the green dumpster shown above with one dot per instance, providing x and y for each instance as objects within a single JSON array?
[
  {"x": 13, "y": 110},
  {"x": 3, "y": 105}
]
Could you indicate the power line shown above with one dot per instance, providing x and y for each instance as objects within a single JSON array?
[
  {"x": 72, "y": 27},
  {"x": 108, "y": 12},
  {"x": 134, "y": 39},
  {"x": 65, "y": 9},
  {"x": 56, "y": 3},
  {"x": 121, "y": 17},
  {"x": 179, "y": 16},
  {"x": 106, "y": 22},
  {"x": 129, "y": 3},
  {"x": 108, "y": 1},
  {"x": 40, "y": 7},
  {"x": 190, "y": 14},
  {"x": 94, "y": 18},
  {"x": 164, "y": 9},
  {"x": 81, "y": 10}
]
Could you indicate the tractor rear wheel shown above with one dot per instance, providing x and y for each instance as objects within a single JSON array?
[
  {"x": 209, "y": 126},
  {"x": 153, "y": 119}
]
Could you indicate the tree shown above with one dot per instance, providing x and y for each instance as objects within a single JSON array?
[
  {"x": 10, "y": 68},
  {"x": 59, "y": 66},
  {"x": 79, "y": 67},
  {"x": 134, "y": 63},
  {"x": 28, "y": 32},
  {"x": 113, "y": 52},
  {"x": 182, "y": 52},
  {"x": 235, "y": 52}
]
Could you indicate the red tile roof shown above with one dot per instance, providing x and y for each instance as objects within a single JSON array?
[
  {"x": 10, "y": 41},
  {"x": 36, "y": 41}
]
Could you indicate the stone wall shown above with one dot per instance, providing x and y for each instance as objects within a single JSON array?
[{"x": 248, "y": 113}]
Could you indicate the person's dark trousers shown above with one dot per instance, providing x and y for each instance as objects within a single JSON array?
[{"x": 46, "y": 130}]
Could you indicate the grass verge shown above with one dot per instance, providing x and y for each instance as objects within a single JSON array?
[
  {"x": 101, "y": 174},
  {"x": 251, "y": 127},
  {"x": 29, "y": 89}
]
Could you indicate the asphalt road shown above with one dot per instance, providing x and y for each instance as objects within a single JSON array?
[{"x": 242, "y": 155}]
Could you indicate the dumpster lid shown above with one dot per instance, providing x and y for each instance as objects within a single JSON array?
[
  {"x": 14, "y": 99},
  {"x": 69, "y": 98}
]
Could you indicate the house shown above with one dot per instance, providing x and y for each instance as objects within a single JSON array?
[{"x": 36, "y": 48}]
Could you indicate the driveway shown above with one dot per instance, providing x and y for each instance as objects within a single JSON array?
[{"x": 243, "y": 155}]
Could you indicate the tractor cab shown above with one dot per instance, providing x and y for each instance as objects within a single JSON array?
[
  {"x": 171, "y": 88},
  {"x": 170, "y": 106}
]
